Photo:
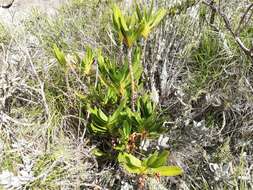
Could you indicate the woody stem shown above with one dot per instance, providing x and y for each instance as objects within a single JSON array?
[{"x": 133, "y": 91}]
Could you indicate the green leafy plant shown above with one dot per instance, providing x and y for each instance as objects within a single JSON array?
[
  {"x": 118, "y": 77},
  {"x": 60, "y": 56},
  {"x": 116, "y": 116},
  {"x": 105, "y": 124},
  {"x": 155, "y": 164},
  {"x": 126, "y": 26},
  {"x": 128, "y": 31},
  {"x": 87, "y": 61},
  {"x": 149, "y": 19},
  {"x": 145, "y": 119}
]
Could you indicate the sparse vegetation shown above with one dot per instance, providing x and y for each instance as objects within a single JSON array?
[{"x": 109, "y": 95}]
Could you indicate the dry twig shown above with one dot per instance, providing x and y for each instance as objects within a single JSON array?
[{"x": 235, "y": 34}]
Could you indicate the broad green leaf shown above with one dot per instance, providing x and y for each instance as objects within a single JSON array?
[
  {"x": 126, "y": 129},
  {"x": 59, "y": 55},
  {"x": 151, "y": 159},
  {"x": 158, "y": 160},
  {"x": 130, "y": 163},
  {"x": 129, "y": 159},
  {"x": 134, "y": 161},
  {"x": 132, "y": 169},
  {"x": 98, "y": 129},
  {"x": 96, "y": 118},
  {"x": 121, "y": 158},
  {"x": 149, "y": 108},
  {"x": 166, "y": 171},
  {"x": 100, "y": 57},
  {"x": 102, "y": 115}
]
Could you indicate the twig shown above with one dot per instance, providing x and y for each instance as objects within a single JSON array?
[
  {"x": 7, "y": 117},
  {"x": 238, "y": 30},
  {"x": 78, "y": 78},
  {"x": 236, "y": 34},
  {"x": 8, "y": 5},
  {"x": 42, "y": 92}
]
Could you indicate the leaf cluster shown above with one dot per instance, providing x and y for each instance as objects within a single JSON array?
[
  {"x": 139, "y": 23},
  {"x": 108, "y": 99},
  {"x": 155, "y": 164}
]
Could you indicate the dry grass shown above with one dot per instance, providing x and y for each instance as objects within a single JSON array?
[{"x": 205, "y": 93}]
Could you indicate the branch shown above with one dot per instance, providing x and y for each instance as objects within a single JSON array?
[
  {"x": 8, "y": 5},
  {"x": 236, "y": 34},
  {"x": 238, "y": 30}
]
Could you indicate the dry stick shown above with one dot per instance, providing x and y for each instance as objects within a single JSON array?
[
  {"x": 130, "y": 66},
  {"x": 212, "y": 14},
  {"x": 228, "y": 26},
  {"x": 8, "y": 5},
  {"x": 17, "y": 122},
  {"x": 42, "y": 92},
  {"x": 248, "y": 20},
  {"x": 78, "y": 78},
  {"x": 238, "y": 30}
]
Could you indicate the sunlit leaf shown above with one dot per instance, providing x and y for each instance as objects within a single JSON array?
[
  {"x": 158, "y": 159},
  {"x": 60, "y": 56},
  {"x": 166, "y": 171},
  {"x": 129, "y": 159}
]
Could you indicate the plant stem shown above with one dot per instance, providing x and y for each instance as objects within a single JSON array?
[
  {"x": 143, "y": 60},
  {"x": 122, "y": 53},
  {"x": 130, "y": 66}
]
